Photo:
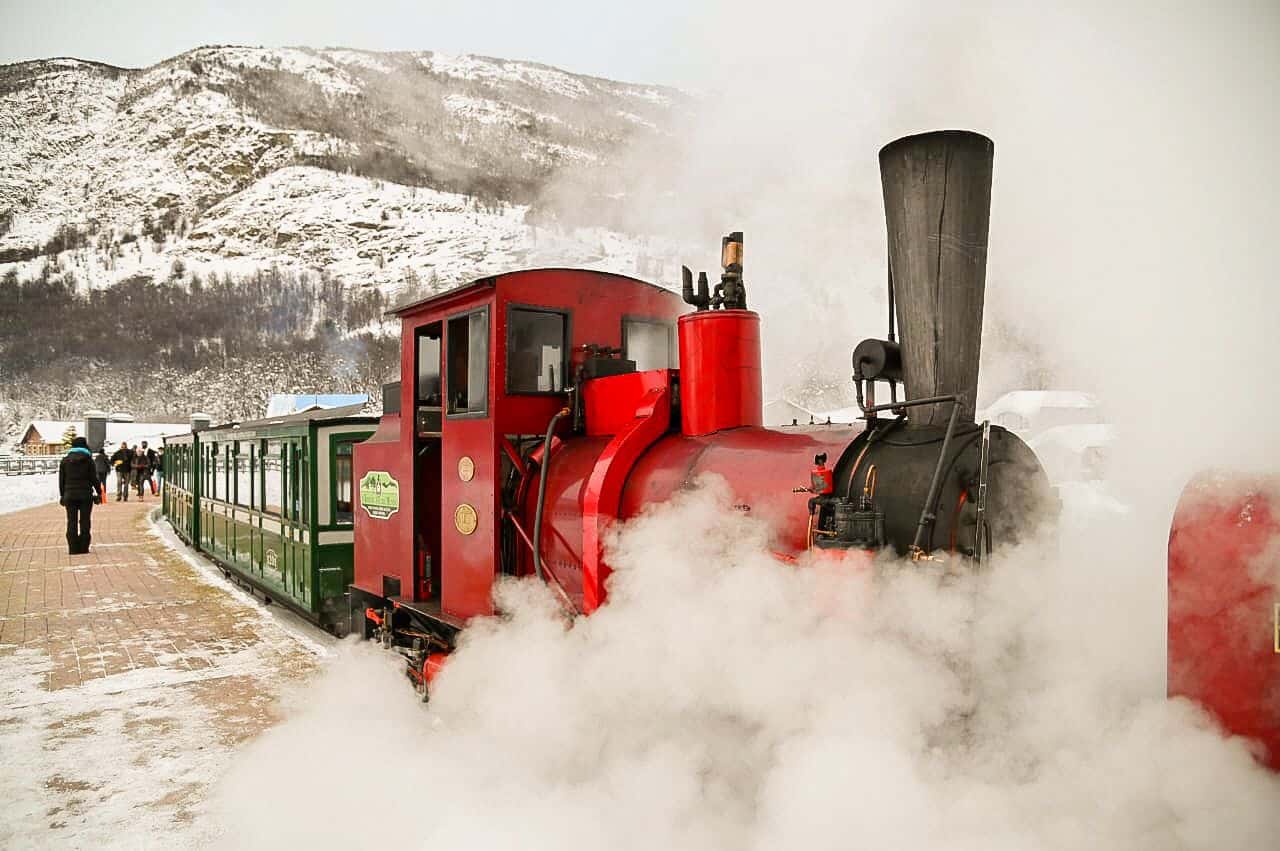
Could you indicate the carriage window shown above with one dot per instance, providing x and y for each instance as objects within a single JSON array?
[
  {"x": 244, "y": 474},
  {"x": 220, "y": 474},
  {"x": 344, "y": 484},
  {"x": 649, "y": 343},
  {"x": 295, "y": 492},
  {"x": 468, "y": 353},
  {"x": 304, "y": 482},
  {"x": 272, "y": 477},
  {"x": 210, "y": 453},
  {"x": 535, "y": 351}
]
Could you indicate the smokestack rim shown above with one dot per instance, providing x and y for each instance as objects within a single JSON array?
[{"x": 980, "y": 140}]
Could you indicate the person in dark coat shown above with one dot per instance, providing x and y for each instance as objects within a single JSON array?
[
  {"x": 139, "y": 468},
  {"x": 102, "y": 466},
  {"x": 152, "y": 463},
  {"x": 122, "y": 461},
  {"x": 78, "y": 490}
]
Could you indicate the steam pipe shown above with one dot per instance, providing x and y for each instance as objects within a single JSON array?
[
  {"x": 926, "y": 514},
  {"x": 912, "y": 403}
]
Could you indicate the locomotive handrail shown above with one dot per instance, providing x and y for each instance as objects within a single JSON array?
[
  {"x": 542, "y": 489},
  {"x": 927, "y": 515},
  {"x": 555, "y": 580}
]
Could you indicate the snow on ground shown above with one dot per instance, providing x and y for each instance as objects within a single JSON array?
[
  {"x": 19, "y": 492},
  {"x": 124, "y": 760}
]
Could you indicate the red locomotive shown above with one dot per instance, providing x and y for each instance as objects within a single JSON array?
[
  {"x": 1224, "y": 604},
  {"x": 536, "y": 409}
]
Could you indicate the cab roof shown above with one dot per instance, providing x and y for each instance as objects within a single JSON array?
[{"x": 462, "y": 290}]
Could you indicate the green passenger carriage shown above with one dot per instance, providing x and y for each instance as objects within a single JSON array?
[{"x": 272, "y": 502}]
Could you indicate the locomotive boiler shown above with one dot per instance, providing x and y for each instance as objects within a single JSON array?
[{"x": 539, "y": 408}]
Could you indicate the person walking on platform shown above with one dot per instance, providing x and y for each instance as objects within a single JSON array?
[
  {"x": 122, "y": 462},
  {"x": 139, "y": 469},
  {"x": 102, "y": 466},
  {"x": 152, "y": 463},
  {"x": 78, "y": 490}
]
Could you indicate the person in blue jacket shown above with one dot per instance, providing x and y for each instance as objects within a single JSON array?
[{"x": 78, "y": 489}]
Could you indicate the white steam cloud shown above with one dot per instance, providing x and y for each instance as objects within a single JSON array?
[{"x": 724, "y": 701}]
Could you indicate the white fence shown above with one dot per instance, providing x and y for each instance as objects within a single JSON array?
[{"x": 25, "y": 466}]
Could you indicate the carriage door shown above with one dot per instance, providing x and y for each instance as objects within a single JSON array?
[{"x": 428, "y": 412}]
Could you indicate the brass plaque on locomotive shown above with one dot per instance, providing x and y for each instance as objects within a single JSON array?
[
  {"x": 464, "y": 518},
  {"x": 466, "y": 468}
]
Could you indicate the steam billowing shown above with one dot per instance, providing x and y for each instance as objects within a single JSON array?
[{"x": 724, "y": 701}]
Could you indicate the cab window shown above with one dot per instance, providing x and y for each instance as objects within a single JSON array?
[
  {"x": 651, "y": 343},
  {"x": 467, "y": 350},
  {"x": 536, "y": 346}
]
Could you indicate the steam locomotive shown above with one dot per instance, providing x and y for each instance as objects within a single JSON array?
[{"x": 537, "y": 409}]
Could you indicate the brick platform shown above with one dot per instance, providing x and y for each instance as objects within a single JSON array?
[{"x": 127, "y": 677}]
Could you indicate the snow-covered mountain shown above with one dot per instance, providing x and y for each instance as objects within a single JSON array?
[
  {"x": 386, "y": 175},
  {"x": 364, "y": 165}
]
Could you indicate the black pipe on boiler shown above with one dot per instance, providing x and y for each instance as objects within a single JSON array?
[{"x": 542, "y": 490}]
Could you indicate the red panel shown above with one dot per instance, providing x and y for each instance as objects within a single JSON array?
[
  {"x": 384, "y": 546},
  {"x": 469, "y": 561},
  {"x": 650, "y": 419},
  {"x": 611, "y": 402},
  {"x": 1224, "y": 605},
  {"x": 720, "y": 384}
]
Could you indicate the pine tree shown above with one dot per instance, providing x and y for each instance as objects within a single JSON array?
[{"x": 68, "y": 436}]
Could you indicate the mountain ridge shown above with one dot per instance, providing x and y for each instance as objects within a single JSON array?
[
  {"x": 239, "y": 170},
  {"x": 93, "y": 147}
]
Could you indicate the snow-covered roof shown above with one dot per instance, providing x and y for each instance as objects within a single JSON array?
[
  {"x": 1029, "y": 402},
  {"x": 134, "y": 433},
  {"x": 1073, "y": 438},
  {"x": 50, "y": 431},
  {"x": 346, "y": 412},
  {"x": 841, "y": 415},
  {"x": 796, "y": 411},
  {"x": 282, "y": 404},
  {"x": 1075, "y": 452}
]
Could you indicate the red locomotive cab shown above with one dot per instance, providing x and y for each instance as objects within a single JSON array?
[
  {"x": 486, "y": 370},
  {"x": 1224, "y": 605}
]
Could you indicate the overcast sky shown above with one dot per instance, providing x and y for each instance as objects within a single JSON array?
[{"x": 628, "y": 40}]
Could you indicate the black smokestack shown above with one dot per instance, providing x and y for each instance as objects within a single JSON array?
[{"x": 937, "y": 204}]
